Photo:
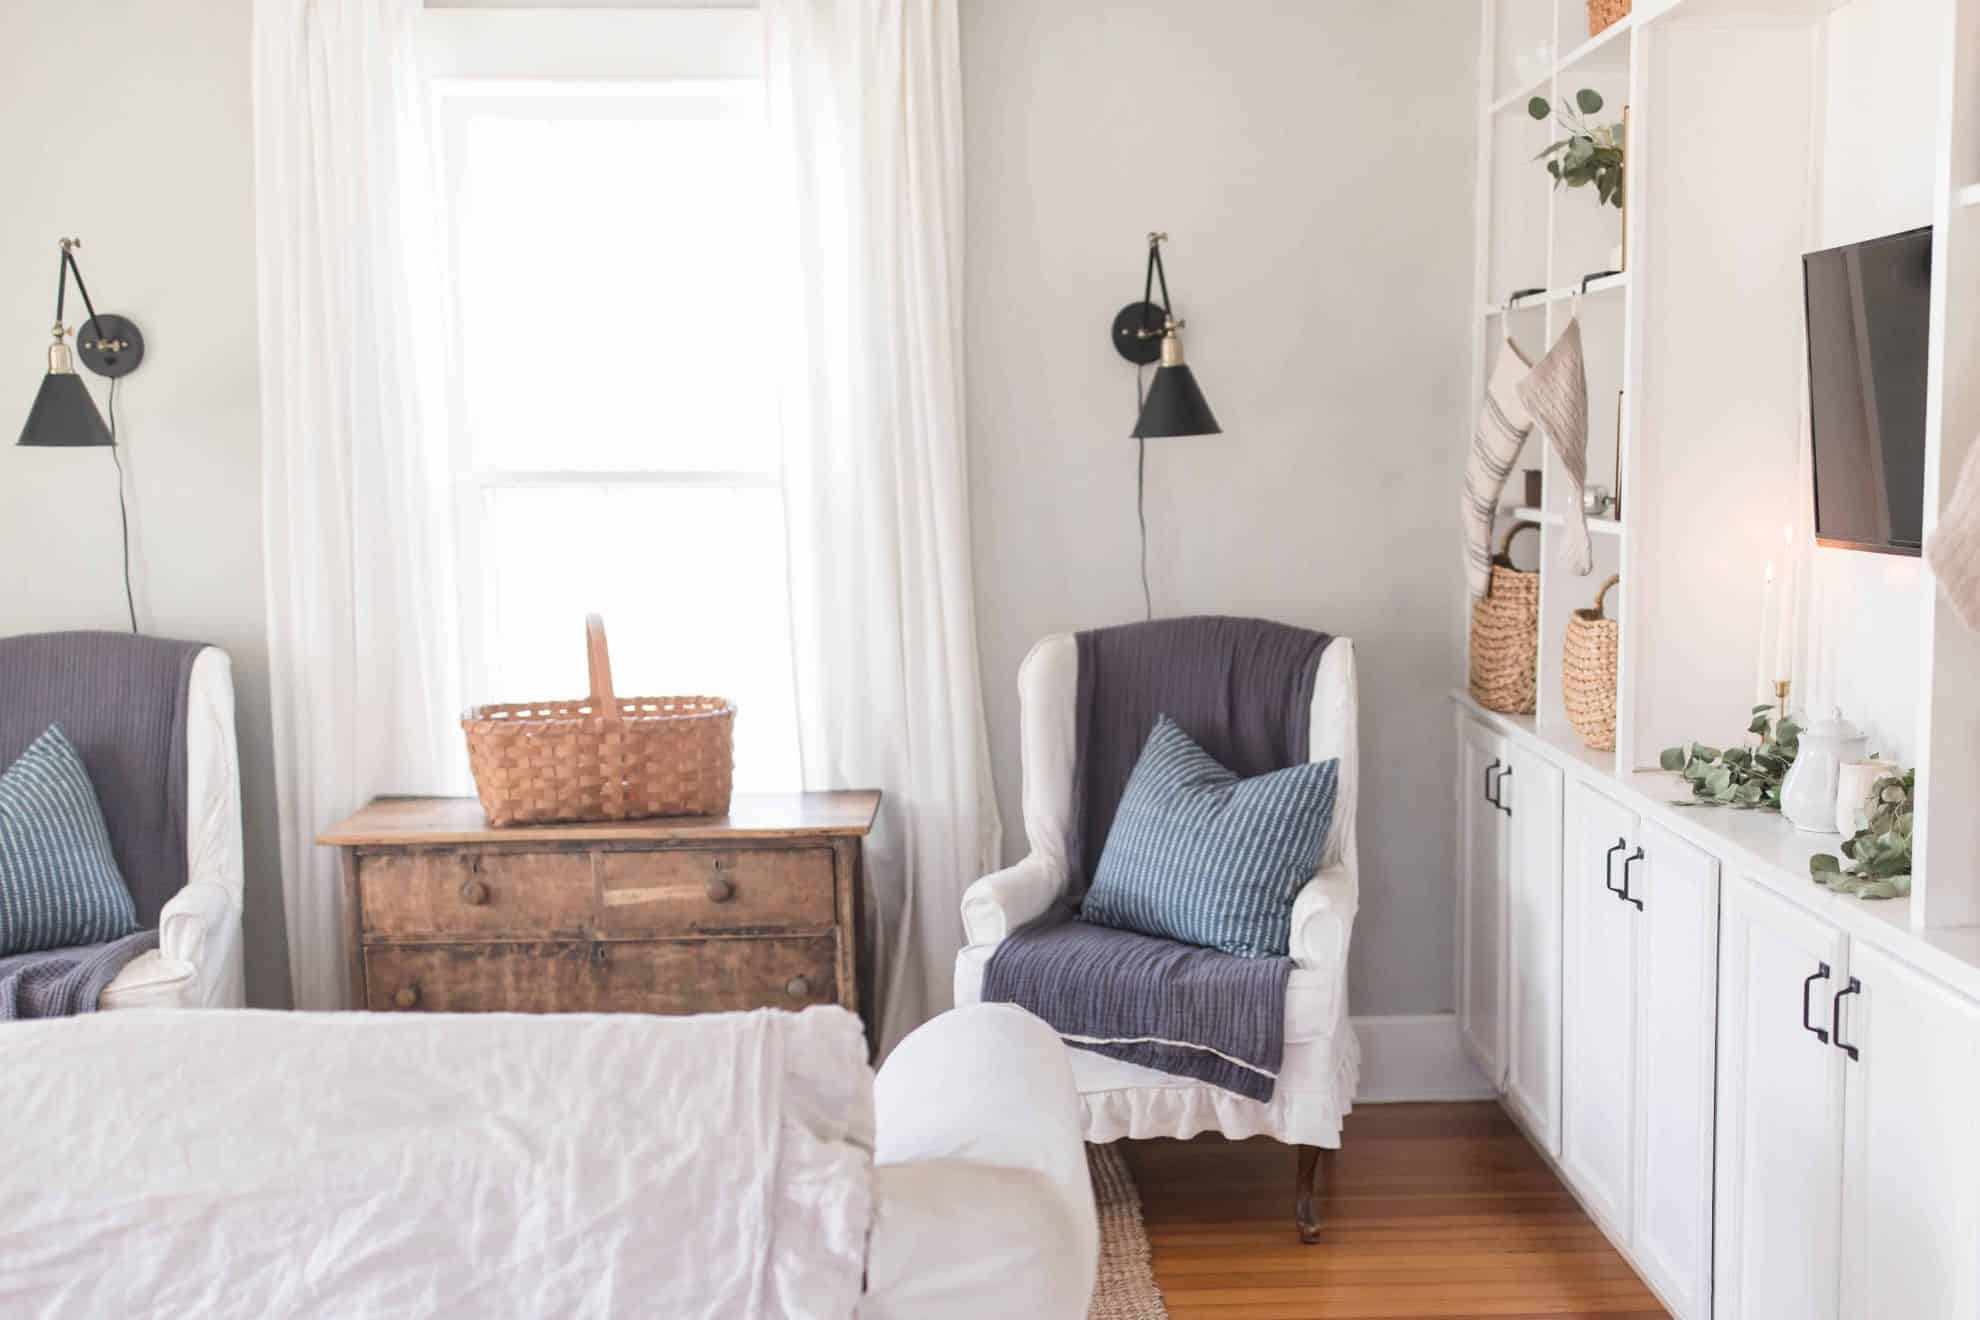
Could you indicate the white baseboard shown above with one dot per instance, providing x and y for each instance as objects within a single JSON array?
[{"x": 1416, "y": 1057}]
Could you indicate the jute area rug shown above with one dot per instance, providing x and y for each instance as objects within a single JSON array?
[{"x": 1125, "y": 1287}]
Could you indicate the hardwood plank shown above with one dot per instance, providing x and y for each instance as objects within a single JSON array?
[
  {"x": 409, "y": 820},
  {"x": 1428, "y": 1210}
]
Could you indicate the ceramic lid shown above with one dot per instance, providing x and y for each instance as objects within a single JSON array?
[{"x": 1835, "y": 726}]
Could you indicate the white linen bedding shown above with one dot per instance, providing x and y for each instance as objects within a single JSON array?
[{"x": 223, "y": 1164}]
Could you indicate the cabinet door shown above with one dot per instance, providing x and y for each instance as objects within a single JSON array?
[
  {"x": 1780, "y": 1111},
  {"x": 1533, "y": 949},
  {"x": 1677, "y": 947},
  {"x": 1482, "y": 897},
  {"x": 1598, "y": 1007},
  {"x": 1911, "y": 1159}
]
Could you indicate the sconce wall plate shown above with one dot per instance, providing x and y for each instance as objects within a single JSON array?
[
  {"x": 109, "y": 345},
  {"x": 1138, "y": 332}
]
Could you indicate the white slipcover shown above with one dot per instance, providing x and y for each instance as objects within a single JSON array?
[
  {"x": 1317, "y": 1078},
  {"x": 197, "y": 963},
  {"x": 504, "y": 1165}
]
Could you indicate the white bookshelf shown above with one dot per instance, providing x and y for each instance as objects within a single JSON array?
[{"x": 1696, "y": 358}]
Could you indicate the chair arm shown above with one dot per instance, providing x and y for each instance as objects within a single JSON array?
[
  {"x": 980, "y": 1182},
  {"x": 1002, "y": 901},
  {"x": 201, "y": 927},
  {"x": 1323, "y": 918}
]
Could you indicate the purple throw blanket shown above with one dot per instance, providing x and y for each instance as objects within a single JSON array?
[
  {"x": 65, "y": 982},
  {"x": 121, "y": 700},
  {"x": 1243, "y": 689}
]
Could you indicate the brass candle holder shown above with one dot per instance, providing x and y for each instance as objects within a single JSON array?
[{"x": 1781, "y": 686}]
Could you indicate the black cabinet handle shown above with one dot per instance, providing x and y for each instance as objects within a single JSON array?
[
  {"x": 1609, "y": 867},
  {"x": 1628, "y": 897},
  {"x": 1504, "y": 775},
  {"x": 1855, "y": 987},
  {"x": 1490, "y": 785},
  {"x": 1820, "y": 974}
]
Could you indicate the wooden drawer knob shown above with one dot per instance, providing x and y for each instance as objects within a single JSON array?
[
  {"x": 720, "y": 890},
  {"x": 797, "y": 987},
  {"x": 408, "y": 997},
  {"x": 474, "y": 892}
]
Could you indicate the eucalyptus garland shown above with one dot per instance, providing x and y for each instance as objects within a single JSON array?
[
  {"x": 1744, "y": 777},
  {"x": 1880, "y": 853}
]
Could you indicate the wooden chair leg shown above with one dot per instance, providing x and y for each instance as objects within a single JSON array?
[{"x": 1306, "y": 1203}]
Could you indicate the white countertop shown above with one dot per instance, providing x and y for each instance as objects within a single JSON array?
[{"x": 1759, "y": 845}]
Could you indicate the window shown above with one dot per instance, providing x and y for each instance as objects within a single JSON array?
[{"x": 613, "y": 423}]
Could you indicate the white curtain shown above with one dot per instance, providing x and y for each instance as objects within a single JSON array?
[
  {"x": 865, "y": 103},
  {"x": 360, "y": 633}
]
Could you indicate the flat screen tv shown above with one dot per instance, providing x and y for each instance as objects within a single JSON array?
[{"x": 1868, "y": 322}]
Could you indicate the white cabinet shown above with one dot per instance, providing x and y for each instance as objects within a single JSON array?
[
  {"x": 1672, "y": 890},
  {"x": 1640, "y": 910},
  {"x": 1533, "y": 947},
  {"x": 1482, "y": 866},
  {"x": 1780, "y": 1110},
  {"x": 1911, "y": 1154},
  {"x": 1598, "y": 1015},
  {"x": 1849, "y": 1163}
]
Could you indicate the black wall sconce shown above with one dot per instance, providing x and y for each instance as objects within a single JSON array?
[
  {"x": 63, "y": 415},
  {"x": 1173, "y": 405},
  {"x": 1145, "y": 333}
]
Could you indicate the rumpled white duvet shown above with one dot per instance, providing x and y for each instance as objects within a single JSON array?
[{"x": 222, "y": 1164}]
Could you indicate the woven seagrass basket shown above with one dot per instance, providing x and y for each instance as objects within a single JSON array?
[
  {"x": 1505, "y": 634},
  {"x": 1604, "y": 13},
  {"x": 1588, "y": 672},
  {"x": 606, "y": 758}
]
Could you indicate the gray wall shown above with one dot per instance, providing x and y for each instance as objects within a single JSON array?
[
  {"x": 129, "y": 124},
  {"x": 1312, "y": 163}
]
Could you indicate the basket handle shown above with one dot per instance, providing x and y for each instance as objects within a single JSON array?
[
  {"x": 1505, "y": 543},
  {"x": 1603, "y": 594},
  {"x": 602, "y": 705}
]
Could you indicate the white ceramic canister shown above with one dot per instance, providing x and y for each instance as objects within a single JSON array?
[
  {"x": 1853, "y": 783},
  {"x": 1808, "y": 795}
]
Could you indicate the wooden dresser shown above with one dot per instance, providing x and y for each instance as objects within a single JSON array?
[{"x": 675, "y": 915}]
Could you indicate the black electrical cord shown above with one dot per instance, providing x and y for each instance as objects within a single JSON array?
[
  {"x": 123, "y": 512},
  {"x": 1141, "y": 495}
]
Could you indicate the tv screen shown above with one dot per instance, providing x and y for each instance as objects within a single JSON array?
[{"x": 1868, "y": 321}]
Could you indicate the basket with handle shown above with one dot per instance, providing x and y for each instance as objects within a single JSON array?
[
  {"x": 1505, "y": 634},
  {"x": 1603, "y": 14},
  {"x": 605, "y": 758},
  {"x": 1588, "y": 672}
]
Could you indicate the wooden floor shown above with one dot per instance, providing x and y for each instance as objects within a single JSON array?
[{"x": 1431, "y": 1210}]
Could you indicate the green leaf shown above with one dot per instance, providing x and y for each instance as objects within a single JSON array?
[
  {"x": 1588, "y": 99},
  {"x": 1704, "y": 753},
  {"x": 1671, "y": 758},
  {"x": 1822, "y": 864},
  {"x": 1539, "y": 108}
]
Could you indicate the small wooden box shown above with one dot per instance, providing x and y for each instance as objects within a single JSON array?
[{"x": 757, "y": 909}]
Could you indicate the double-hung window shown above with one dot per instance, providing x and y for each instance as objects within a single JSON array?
[{"x": 609, "y": 401}]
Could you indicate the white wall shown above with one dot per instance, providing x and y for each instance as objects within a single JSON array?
[
  {"x": 1312, "y": 164},
  {"x": 1880, "y": 120},
  {"x": 128, "y": 124}
]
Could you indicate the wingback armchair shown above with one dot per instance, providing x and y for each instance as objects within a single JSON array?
[
  {"x": 1119, "y": 1099},
  {"x": 63, "y": 678}
]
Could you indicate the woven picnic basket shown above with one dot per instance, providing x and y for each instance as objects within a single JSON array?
[
  {"x": 605, "y": 758},
  {"x": 1588, "y": 672},
  {"x": 1505, "y": 634},
  {"x": 1603, "y": 14}
]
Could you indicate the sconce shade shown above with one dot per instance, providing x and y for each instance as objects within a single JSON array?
[
  {"x": 64, "y": 416},
  {"x": 1175, "y": 406}
]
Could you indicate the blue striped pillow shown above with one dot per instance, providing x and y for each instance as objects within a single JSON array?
[
  {"x": 1198, "y": 855},
  {"x": 59, "y": 883}
]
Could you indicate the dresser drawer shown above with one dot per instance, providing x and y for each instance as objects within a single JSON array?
[
  {"x": 689, "y": 891},
  {"x": 657, "y": 976},
  {"x": 439, "y": 893}
]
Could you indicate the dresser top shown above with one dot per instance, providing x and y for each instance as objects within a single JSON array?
[{"x": 412, "y": 820}]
